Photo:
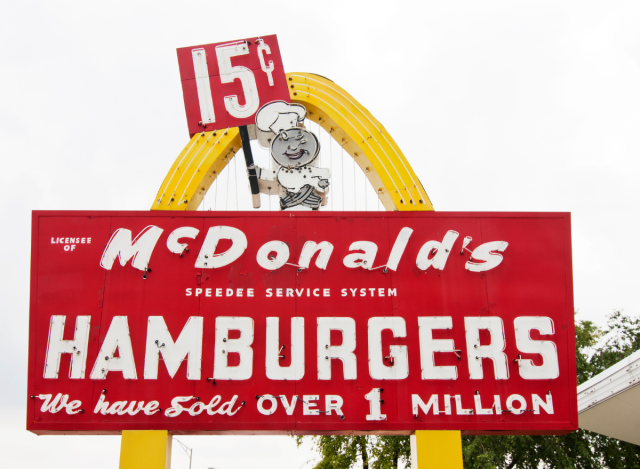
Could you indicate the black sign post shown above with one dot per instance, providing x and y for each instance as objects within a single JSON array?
[{"x": 251, "y": 167}]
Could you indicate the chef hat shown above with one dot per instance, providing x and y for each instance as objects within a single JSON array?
[{"x": 276, "y": 116}]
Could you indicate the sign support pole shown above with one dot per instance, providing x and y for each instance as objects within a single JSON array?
[
  {"x": 145, "y": 449},
  {"x": 436, "y": 449},
  {"x": 251, "y": 167}
]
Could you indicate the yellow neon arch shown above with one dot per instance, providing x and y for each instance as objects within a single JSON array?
[{"x": 338, "y": 113}]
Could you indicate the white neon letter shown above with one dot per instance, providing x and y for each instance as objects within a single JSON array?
[
  {"x": 361, "y": 259},
  {"x": 398, "y": 248},
  {"x": 208, "y": 259},
  {"x": 398, "y": 358},
  {"x": 242, "y": 346},
  {"x": 375, "y": 409},
  {"x": 121, "y": 246},
  {"x": 273, "y": 404},
  {"x": 117, "y": 338},
  {"x": 310, "y": 248},
  {"x": 295, "y": 371},
  {"x": 494, "y": 351},
  {"x": 488, "y": 254},
  {"x": 538, "y": 403},
  {"x": 268, "y": 69},
  {"x": 344, "y": 352},
  {"x": 443, "y": 249},
  {"x": 550, "y": 368},
  {"x": 203, "y": 85},
  {"x": 521, "y": 401},
  {"x": 76, "y": 347},
  {"x": 183, "y": 232},
  {"x": 333, "y": 403},
  {"x": 229, "y": 73},
  {"x": 418, "y": 403},
  {"x": 280, "y": 259},
  {"x": 429, "y": 346},
  {"x": 159, "y": 341}
]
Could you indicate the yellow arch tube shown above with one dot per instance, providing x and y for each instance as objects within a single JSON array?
[
  {"x": 363, "y": 138},
  {"x": 195, "y": 169},
  {"x": 338, "y": 113}
]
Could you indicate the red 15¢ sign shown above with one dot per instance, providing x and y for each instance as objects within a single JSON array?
[{"x": 224, "y": 84}]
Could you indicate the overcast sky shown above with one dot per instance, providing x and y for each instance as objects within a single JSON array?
[{"x": 498, "y": 106}]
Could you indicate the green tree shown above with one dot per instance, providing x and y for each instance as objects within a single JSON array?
[
  {"x": 370, "y": 452},
  {"x": 388, "y": 451},
  {"x": 596, "y": 350},
  {"x": 341, "y": 452}
]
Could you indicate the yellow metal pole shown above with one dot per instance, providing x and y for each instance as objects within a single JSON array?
[
  {"x": 436, "y": 449},
  {"x": 145, "y": 449}
]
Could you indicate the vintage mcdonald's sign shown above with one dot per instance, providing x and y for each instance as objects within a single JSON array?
[{"x": 301, "y": 322}]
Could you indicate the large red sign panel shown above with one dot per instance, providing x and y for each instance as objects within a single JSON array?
[
  {"x": 307, "y": 323},
  {"x": 225, "y": 84}
]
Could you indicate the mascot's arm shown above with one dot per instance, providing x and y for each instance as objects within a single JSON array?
[{"x": 267, "y": 181}]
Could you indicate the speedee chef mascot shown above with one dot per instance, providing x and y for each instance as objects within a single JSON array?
[{"x": 297, "y": 180}]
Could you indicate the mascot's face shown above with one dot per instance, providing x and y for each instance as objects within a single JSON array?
[{"x": 295, "y": 147}]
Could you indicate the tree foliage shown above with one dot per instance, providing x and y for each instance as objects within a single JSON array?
[
  {"x": 596, "y": 350},
  {"x": 368, "y": 452}
]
